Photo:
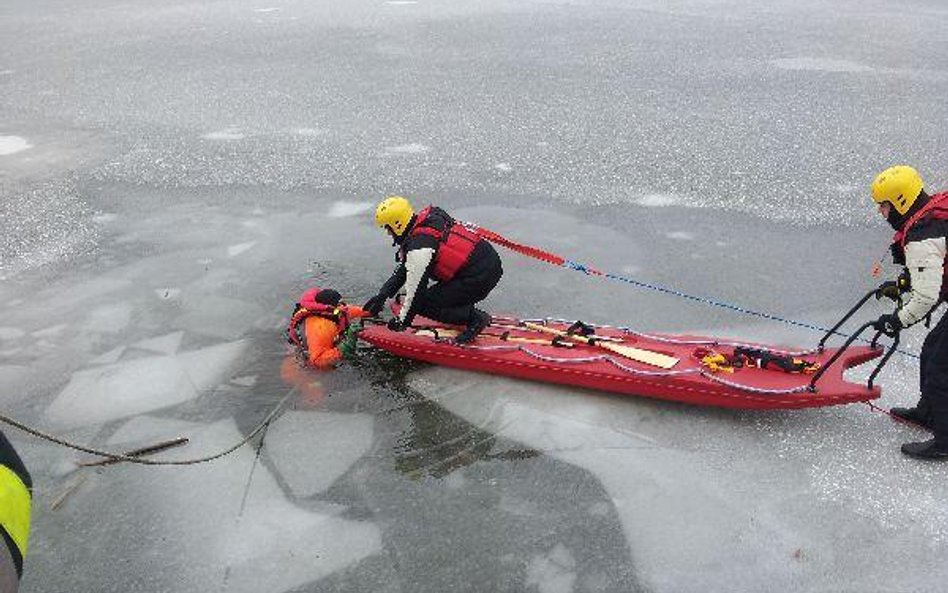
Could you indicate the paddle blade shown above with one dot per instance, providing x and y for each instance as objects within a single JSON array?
[{"x": 656, "y": 359}]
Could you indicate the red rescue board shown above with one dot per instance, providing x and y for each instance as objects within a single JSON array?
[{"x": 682, "y": 370}]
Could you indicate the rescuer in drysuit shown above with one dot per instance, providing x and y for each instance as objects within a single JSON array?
[
  {"x": 919, "y": 244},
  {"x": 15, "y": 505},
  {"x": 433, "y": 246}
]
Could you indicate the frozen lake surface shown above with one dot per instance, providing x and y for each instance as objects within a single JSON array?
[{"x": 172, "y": 177}]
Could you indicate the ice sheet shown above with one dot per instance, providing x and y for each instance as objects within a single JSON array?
[
  {"x": 106, "y": 393},
  {"x": 210, "y": 161},
  {"x": 251, "y": 537},
  {"x": 312, "y": 449},
  {"x": 709, "y": 487}
]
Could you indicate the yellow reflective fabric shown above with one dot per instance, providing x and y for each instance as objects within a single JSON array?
[{"x": 15, "y": 505}]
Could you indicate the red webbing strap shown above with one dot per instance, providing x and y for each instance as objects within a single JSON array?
[
  {"x": 527, "y": 250},
  {"x": 939, "y": 202}
]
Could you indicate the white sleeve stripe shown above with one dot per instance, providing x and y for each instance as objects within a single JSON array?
[
  {"x": 416, "y": 262},
  {"x": 925, "y": 261}
]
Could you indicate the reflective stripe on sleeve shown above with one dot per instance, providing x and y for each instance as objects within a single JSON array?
[{"x": 15, "y": 503}]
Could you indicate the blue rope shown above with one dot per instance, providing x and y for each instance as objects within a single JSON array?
[{"x": 591, "y": 271}]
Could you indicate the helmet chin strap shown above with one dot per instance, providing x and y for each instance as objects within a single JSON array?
[
  {"x": 391, "y": 233},
  {"x": 396, "y": 238},
  {"x": 895, "y": 219}
]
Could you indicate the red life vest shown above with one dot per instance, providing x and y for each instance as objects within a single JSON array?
[
  {"x": 455, "y": 245},
  {"x": 937, "y": 208}
]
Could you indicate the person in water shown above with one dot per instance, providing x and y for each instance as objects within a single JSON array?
[
  {"x": 319, "y": 324},
  {"x": 921, "y": 231},
  {"x": 431, "y": 245}
]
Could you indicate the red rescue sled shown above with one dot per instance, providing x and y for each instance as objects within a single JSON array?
[{"x": 691, "y": 369}]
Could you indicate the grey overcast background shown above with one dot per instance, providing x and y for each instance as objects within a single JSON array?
[{"x": 174, "y": 174}]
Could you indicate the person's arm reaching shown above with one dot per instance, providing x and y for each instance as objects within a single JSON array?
[
  {"x": 417, "y": 262},
  {"x": 375, "y": 304}
]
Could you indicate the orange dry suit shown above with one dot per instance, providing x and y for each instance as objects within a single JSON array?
[{"x": 316, "y": 328}]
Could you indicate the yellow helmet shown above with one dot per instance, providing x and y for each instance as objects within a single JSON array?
[
  {"x": 899, "y": 185},
  {"x": 394, "y": 212}
]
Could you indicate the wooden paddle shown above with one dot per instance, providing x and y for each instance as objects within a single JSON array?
[
  {"x": 638, "y": 354},
  {"x": 451, "y": 333},
  {"x": 521, "y": 328}
]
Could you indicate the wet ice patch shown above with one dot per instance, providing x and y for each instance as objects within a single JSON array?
[
  {"x": 820, "y": 65},
  {"x": 227, "y": 134},
  {"x": 268, "y": 9},
  {"x": 219, "y": 317},
  {"x": 168, "y": 293},
  {"x": 346, "y": 209},
  {"x": 599, "y": 509},
  {"x": 273, "y": 531},
  {"x": 147, "y": 429},
  {"x": 50, "y": 332},
  {"x": 167, "y": 344},
  {"x": 312, "y": 450},
  {"x": 401, "y": 2},
  {"x": 680, "y": 236},
  {"x": 109, "y": 318},
  {"x": 12, "y": 374},
  {"x": 11, "y": 333},
  {"x": 413, "y": 148},
  {"x": 504, "y": 167},
  {"x": 309, "y": 132},
  {"x": 235, "y": 250},
  {"x": 454, "y": 481},
  {"x": 110, "y": 357},
  {"x": 247, "y": 381},
  {"x": 554, "y": 572},
  {"x": 93, "y": 290},
  {"x": 659, "y": 200},
  {"x": 764, "y": 528},
  {"x": 103, "y": 394},
  {"x": 12, "y": 145},
  {"x": 235, "y": 516},
  {"x": 104, "y": 218}
]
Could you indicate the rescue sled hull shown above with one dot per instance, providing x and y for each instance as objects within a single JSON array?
[{"x": 508, "y": 349}]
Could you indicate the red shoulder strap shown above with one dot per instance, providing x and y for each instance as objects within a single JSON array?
[
  {"x": 421, "y": 229},
  {"x": 938, "y": 204}
]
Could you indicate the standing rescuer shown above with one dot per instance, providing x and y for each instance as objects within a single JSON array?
[
  {"x": 15, "y": 504},
  {"x": 921, "y": 232},
  {"x": 433, "y": 246}
]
